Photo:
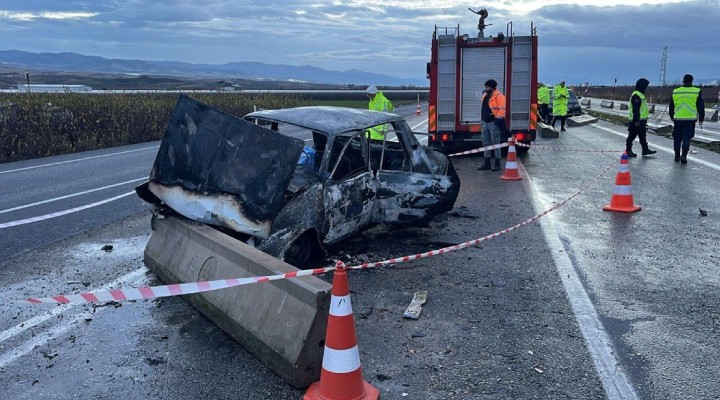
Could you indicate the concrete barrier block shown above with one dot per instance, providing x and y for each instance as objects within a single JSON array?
[
  {"x": 581, "y": 120},
  {"x": 281, "y": 322},
  {"x": 712, "y": 143},
  {"x": 546, "y": 131},
  {"x": 585, "y": 103},
  {"x": 623, "y": 106},
  {"x": 711, "y": 116},
  {"x": 660, "y": 128},
  {"x": 607, "y": 104}
]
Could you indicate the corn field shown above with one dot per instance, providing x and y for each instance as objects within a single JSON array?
[{"x": 34, "y": 125}]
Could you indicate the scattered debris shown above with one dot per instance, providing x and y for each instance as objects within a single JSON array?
[
  {"x": 382, "y": 377},
  {"x": 538, "y": 370},
  {"x": 155, "y": 361},
  {"x": 463, "y": 212},
  {"x": 703, "y": 212},
  {"x": 107, "y": 248},
  {"x": 88, "y": 317},
  {"x": 34, "y": 382},
  {"x": 415, "y": 308},
  {"x": 112, "y": 303}
]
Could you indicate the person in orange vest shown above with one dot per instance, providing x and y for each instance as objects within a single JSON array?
[{"x": 492, "y": 114}]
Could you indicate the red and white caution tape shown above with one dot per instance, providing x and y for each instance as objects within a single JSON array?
[
  {"x": 146, "y": 293},
  {"x": 480, "y": 150},
  {"x": 567, "y": 149},
  {"x": 486, "y": 238}
]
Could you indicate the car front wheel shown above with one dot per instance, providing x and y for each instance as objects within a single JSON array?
[{"x": 303, "y": 251}]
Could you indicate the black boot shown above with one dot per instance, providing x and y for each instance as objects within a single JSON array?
[
  {"x": 683, "y": 158},
  {"x": 496, "y": 167},
  {"x": 562, "y": 125},
  {"x": 677, "y": 155},
  {"x": 646, "y": 151},
  {"x": 630, "y": 153},
  {"x": 485, "y": 166}
]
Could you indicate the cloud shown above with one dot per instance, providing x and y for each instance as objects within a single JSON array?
[{"x": 578, "y": 40}]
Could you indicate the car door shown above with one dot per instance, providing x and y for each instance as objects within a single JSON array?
[
  {"x": 414, "y": 184},
  {"x": 350, "y": 189}
]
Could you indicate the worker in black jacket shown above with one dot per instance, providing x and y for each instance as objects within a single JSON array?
[{"x": 637, "y": 119}]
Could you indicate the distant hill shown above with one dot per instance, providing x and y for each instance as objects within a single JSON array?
[{"x": 73, "y": 62}]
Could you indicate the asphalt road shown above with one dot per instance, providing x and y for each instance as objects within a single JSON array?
[
  {"x": 583, "y": 304},
  {"x": 710, "y": 130}
]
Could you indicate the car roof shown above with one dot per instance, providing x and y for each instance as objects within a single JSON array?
[{"x": 326, "y": 119}]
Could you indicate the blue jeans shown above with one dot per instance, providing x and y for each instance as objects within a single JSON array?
[{"x": 491, "y": 135}]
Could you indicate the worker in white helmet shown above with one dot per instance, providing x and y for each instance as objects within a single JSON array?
[{"x": 378, "y": 102}]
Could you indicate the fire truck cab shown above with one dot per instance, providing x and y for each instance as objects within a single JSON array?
[{"x": 459, "y": 67}]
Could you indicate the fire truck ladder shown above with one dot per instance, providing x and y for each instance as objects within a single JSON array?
[
  {"x": 520, "y": 88},
  {"x": 447, "y": 65}
]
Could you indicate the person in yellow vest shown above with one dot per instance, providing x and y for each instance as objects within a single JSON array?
[
  {"x": 686, "y": 107},
  {"x": 560, "y": 104},
  {"x": 637, "y": 119},
  {"x": 492, "y": 114},
  {"x": 543, "y": 97},
  {"x": 378, "y": 102}
]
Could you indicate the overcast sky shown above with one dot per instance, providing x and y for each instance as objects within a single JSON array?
[{"x": 580, "y": 40}]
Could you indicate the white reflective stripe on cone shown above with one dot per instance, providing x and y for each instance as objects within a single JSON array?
[
  {"x": 511, "y": 149},
  {"x": 623, "y": 190},
  {"x": 624, "y": 168},
  {"x": 511, "y": 165},
  {"x": 340, "y": 306},
  {"x": 341, "y": 361}
]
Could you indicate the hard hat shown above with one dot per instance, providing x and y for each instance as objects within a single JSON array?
[{"x": 372, "y": 89}]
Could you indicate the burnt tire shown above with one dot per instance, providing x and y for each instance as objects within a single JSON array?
[{"x": 303, "y": 251}]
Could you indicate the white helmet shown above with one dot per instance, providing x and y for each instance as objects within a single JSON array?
[{"x": 372, "y": 89}]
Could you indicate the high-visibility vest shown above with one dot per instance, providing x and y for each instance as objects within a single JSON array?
[
  {"x": 643, "y": 106},
  {"x": 685, "y": 99},
  {"x": 543, "y": 95},
  {"x": 560, "y": 101},
  {"x": 496, "y": 103},
  {"x": 379, "y": 103}
]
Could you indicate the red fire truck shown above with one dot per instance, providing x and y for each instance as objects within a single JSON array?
[{"x": 459, "y": 67}]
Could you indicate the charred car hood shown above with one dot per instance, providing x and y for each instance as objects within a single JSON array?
[{"x": 219, "y": 169}]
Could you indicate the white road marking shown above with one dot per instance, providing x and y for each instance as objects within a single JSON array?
[
  {"x": 425, "y": 138},
  {"x": 34, "y": 321},
  {"x": 664, "y": 149},
  {"x": 78, "y": 159},
  {"x": 70, "y": 195},
  {"x": 61, "y": 213},
  {"x": 611, "y": 372}
]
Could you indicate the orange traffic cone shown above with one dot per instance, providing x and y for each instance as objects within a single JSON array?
[
  {"x": 418, "y": 110},
  {"x": 341, "y": 375},
  {"x": 511, "y": 165},
  {"x": 622, "y": 198}
]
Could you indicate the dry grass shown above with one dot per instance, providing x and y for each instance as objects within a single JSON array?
[{"x": 36, "y": 125}]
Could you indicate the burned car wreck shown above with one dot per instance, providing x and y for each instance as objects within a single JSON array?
[{"x": 291, "y": 181}]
